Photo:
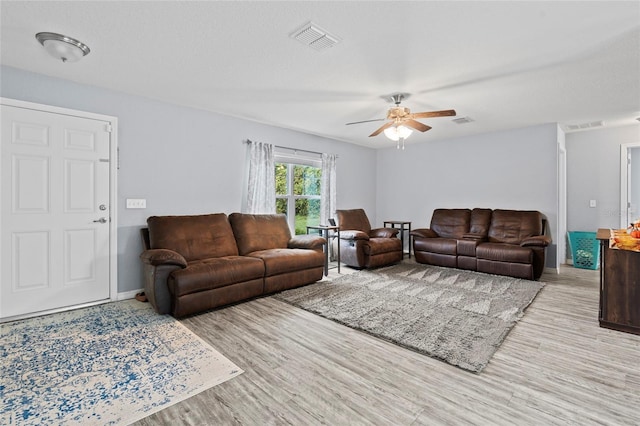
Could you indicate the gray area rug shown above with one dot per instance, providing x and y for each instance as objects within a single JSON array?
[{"x": 460, "y": 317}]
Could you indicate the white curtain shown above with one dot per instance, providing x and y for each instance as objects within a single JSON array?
[
  {"x": 261, "y": 191},
  {"x": 328, "y": 188}
]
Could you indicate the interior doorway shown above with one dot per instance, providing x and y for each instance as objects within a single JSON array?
[{"x": 629, "y": 183}]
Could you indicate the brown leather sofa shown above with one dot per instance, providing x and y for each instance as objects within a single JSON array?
[
  {"x": 195, "y": 263},
  {"x": 502, "y": 242},
  {"x": 363, "y": 247}
]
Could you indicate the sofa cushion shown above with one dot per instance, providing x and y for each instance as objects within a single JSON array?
[
  {"x": 255, "y": 232},
  {"x": 436, "y": 245},
  {"x": 280, "y": 261},
  {"x": 502, "y": 252},
  {"x": 480, "y": 221},
  {"x": 450, "y": 223},
  {"x": 513, "y": 226},
  {"x": 193, "y": 237},
  {"x": 214, "y": 273}
]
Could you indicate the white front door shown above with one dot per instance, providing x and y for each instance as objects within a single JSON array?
[{"x": 54, "y": 211}]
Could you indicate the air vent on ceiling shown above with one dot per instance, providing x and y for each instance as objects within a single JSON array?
[
  {"x": 462, "y": 120},
  {"x": 315, "y": 37},
  {"x": 583, "y": 126}
]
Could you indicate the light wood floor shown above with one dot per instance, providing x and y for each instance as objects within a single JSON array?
[{"x": 555, "y": 367}]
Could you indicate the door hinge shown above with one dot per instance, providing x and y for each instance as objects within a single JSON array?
[{"x": 108, "y": 128}]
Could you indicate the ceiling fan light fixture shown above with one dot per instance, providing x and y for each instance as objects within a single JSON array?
[
  {"x": 396, "y": 133},
  {"x": 63, "y": 48}
]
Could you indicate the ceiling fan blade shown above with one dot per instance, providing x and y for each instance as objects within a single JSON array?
[
  {"x": 416, "y": 125},
  {"x": 365, "y": 121},
  {"x": 381, "y": 129},
  {"x": 444, "y": 113}
]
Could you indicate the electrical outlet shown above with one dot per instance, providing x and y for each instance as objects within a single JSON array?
[
  {"x": 136, "y": 203},
  {"x": 592, "y": 203}
]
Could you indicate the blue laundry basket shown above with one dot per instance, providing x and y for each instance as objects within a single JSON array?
[{"x": 585, "y": 249}]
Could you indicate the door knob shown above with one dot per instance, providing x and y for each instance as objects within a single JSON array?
[{"x": 101, "y": 220}]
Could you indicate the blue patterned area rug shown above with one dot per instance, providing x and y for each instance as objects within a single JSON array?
[{"x": 105, "y": 365}]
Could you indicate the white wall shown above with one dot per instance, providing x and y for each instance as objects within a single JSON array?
[
  {"x": 593, "y": 173},
  {"x": 183, "y": 160},
  {"x": 513, "y": 169}
]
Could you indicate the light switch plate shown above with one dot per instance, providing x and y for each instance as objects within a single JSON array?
[
  {"x": 136, "y": 203},
  {"x": 592, "y": 203}
]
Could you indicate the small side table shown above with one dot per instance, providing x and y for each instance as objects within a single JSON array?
[
  {"x": 323, "y": 230},
  {"x": 404, "y": 226}
]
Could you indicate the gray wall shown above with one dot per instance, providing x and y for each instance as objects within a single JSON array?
[
  {"x": 513, "y": 169},
  {"x": 188, "y": 161},
  {"x": 183, "y": 160},
  {"x": 593, "y": 173}
]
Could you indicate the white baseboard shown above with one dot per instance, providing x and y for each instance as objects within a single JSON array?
[
  {"x": 551, "y": 270},
  {"x": 128, "y": 294}
]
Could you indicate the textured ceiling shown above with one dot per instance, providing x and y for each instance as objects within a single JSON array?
[{"x": 503, "y": 64}]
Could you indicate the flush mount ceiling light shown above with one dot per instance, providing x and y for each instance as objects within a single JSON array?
[{"x": 61, "y": 47}]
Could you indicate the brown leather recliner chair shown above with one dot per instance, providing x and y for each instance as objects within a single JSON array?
[{"x": 363, "y": 247}]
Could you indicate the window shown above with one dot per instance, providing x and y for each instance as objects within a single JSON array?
[{"x": 298, "y": 192}]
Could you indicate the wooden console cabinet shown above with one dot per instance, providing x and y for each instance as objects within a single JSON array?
[{"x": 619, "y": 287}]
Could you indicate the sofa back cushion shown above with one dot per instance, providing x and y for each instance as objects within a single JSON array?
[
  {"x": 254, "y": 232},
  {"x": 512, "y": 226},
  {"x": 194, "y": 237},
  {"x": 354, "y": 219},
  {"x": 450, "y": 223},
  {"x": 480, "y": 221}
]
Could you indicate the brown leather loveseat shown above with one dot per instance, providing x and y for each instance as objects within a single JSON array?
[
  {"x": 503, "y": 242},
  {"x": 195, "y": 263}
]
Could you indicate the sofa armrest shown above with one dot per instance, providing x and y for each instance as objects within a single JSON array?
[
  {"x": 311, "y": 242},
  {"x": 157, "y": 266},
  {"x": 353, "y": 235},
  {"x": 157, "y": 257},
  {"x": 538, "y": 240},
  {"x": 383, "y": 233},
  {"x": 474, "y": 237},
  {"x": 423, "y": 233}
]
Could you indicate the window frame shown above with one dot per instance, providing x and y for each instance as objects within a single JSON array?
[{"x": 291, "y": 161}]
